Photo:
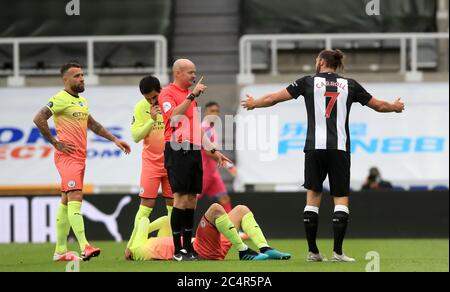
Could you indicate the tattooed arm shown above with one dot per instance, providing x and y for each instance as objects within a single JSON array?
[
  {"x": 40, "y": 120},
  {"x": 98, "y": 129}
]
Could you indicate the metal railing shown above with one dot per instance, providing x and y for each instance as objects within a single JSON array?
[
  {"x": 160, "y": 69},
  {"x": 245, "y": 48}
]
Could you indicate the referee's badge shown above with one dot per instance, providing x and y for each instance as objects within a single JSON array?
[
  {"x": 141, "y": 190},
  {"x": 166, "y": 106},
  {"x": 202, "y": 224},
  {"x": 71, "y": 183}
]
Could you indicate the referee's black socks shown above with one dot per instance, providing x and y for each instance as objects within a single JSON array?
[
  {"x": 311, "y": 220},
  {"x": 340, "y": 222},
  {"x": 188, "y": 226},
  {"x": 176, "y": 222}
]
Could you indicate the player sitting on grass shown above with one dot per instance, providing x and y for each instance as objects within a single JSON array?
[{"x": 216, "y": 233}]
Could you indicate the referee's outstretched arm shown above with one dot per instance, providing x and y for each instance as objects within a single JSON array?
[
  {"x": 386, "y": 107},
  {"x": 266, "y": 100}
]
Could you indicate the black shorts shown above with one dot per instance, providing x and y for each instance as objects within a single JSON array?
[
  {"x": 335, "y": 164},
  {"x": 184, "y": 169}
]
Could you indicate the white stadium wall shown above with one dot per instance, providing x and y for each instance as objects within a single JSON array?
[
  {"x": 410, "y": 149},
  {"x": 27, "y": 159}
]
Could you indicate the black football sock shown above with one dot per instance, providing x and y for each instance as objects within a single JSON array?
[
  {"x": 188, "y": 226},
  {"x": 340, "y": 222},
  {"x": 311, "y": 220},
  {"x": 176, "y": 222}
]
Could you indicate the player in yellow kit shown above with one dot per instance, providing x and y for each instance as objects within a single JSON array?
[
  {"x": 148, "y": 125},
  {"x": 72, "y": 119}
]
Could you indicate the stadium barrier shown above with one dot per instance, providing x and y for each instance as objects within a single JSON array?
[
  {"x": 110, "y": 217},
  {"x": 160, "y": 59},
  {"x": 273, "y": 40}
]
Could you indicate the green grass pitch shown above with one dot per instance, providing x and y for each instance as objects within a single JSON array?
[{"x": 394, "y": 255}]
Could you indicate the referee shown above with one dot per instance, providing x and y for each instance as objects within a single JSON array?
[
  {"x": 184, "y": 139},
  {"x": 328, "y": 98}
]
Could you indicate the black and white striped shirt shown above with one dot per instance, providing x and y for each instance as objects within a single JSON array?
[{"x": 328, "y": 99}]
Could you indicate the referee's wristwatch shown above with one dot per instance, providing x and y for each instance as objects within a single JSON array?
[
  {"x": 213, "y": 150},
  {"x": 191, "y": 97}
]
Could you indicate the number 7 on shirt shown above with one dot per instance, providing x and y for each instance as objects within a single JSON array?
[{"x": 332, "y": 102}]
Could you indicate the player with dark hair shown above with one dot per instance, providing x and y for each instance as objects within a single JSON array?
[
  {"x": 148, "y": 126},
  {"x": 328, "y": 98},
  {"x": 216, "y": 233},
  {"x": 72, "y": 118}
]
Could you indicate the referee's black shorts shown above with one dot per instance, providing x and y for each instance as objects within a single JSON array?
[
  {"x": 335, "y": 164},
  {"x": 184, "y": 169}
]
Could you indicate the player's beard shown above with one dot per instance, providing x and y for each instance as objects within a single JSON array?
[{"x": 78, "y": 88}]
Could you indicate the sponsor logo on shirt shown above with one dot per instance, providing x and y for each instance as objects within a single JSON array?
[{"x": 80, "y": 115}]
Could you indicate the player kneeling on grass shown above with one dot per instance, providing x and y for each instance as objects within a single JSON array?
[{"x": 216, "y": 233}]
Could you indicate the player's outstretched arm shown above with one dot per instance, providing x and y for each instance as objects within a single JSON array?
[
  {"x": 267, "y": 100},
  {"x": 98, "y": 129},
  {"x": 382, "y": 106},
  {"x": 40, "y": 120}
]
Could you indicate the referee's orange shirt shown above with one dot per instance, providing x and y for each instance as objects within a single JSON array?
[{"x": 188, "y": 127}]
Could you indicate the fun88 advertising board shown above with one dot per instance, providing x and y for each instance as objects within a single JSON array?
[
  {"x": 410, "y": 149},
  {"x": 26, "y": 158}
]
